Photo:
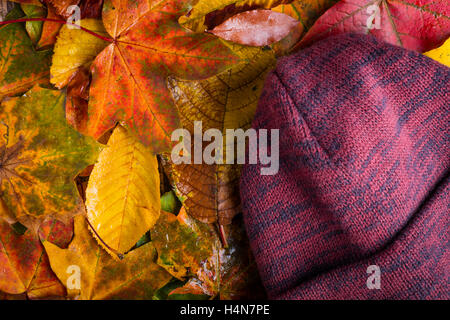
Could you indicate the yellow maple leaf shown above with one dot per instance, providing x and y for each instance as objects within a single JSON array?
[{"x": 91, "y": 274}]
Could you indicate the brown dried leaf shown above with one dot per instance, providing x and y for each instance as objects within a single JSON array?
[
  {"x": 225, "y": 101},
  {"x": 77, "y": 99},
  {"x": 91, "y": 9},
  {"x": 209, "y": 192},
  {"x": 61, "y": 6}
]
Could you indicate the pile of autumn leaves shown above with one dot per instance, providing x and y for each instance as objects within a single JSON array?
[{"x": 91, "y": 205}]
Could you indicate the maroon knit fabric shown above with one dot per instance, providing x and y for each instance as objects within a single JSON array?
[{"x": 363, "y": 178}]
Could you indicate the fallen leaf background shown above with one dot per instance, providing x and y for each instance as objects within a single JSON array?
[
  {"x": 86, "y": 178},
  {"x": 148, "y": 45}
]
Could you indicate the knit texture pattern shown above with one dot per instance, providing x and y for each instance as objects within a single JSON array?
[{"x": 363, "y": 178}]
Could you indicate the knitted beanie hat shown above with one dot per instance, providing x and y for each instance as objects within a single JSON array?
[{"x": 359, "y": 208}]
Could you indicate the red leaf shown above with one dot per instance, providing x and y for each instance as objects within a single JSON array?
[
  {"x": 91, "y": 9},
  {"x": 56, "y": 232},
  {"x": 256, "y": 27},
  {"x": 25, "y": 267},
  {"x": 419, "y": 25}
]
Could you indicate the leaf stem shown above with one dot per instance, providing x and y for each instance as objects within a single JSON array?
[
  {"x": 223, "y": 236},
  {"x": 58, "y": 21}
]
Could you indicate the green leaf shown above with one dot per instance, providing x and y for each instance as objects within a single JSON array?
[{"x": 170, "y": 203}]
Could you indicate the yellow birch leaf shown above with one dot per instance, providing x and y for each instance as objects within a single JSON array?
[
  {"x": 122, "y": 196},
  {"x": 75, "y": 48},
  {"x": 225, "y": 101},
  {"x": 441, "y": 54},
  {"x": 137, "y": 276}
]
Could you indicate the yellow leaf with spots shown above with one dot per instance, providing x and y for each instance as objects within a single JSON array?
[
  {"x": 123, "y": 196},
  {"x": 225, "y": 101},
  {"x": 94, "y": 274},
  {"x": 40, "y": 155},
  {"x": 76, "y": 48},
  {"x": 441, "y": 54}
]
